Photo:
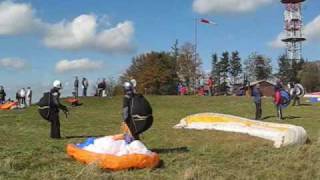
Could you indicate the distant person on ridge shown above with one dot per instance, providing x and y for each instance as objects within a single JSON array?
[
  {"x": 21, "y": 97},
  {"x": 2, "y": 95},
  {"x": 85, "y": 85},
  {"x": 29, "y": 96},
  {"x": 76, "y": 87}
]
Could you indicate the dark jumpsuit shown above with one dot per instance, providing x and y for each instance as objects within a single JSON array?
[
  {"x": 126, "y": 114},
  {"x": 55, "y": 105}
]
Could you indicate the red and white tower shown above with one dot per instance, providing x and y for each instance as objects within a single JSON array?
[{"x": 293, "y": 29}]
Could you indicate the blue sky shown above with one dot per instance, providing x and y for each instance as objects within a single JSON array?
[{"x": 39, "y": 38}]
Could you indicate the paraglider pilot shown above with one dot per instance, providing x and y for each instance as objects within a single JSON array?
[
  {"x": 126, "y": 114},
  {"x": 49, "y": 107},
  {"x": 136, "y": 112},
  {"x": 55, "y": 105}
]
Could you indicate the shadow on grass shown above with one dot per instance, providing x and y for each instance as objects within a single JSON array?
[
  {"x": 288, "y": 117},
  {"x": 268, "y": 117},
  {"x": 291, "y": 117},
  {"x": 170, "y": 150},
  {"x": 305, "y": 105},
  {"x": 81, "y": 136}
]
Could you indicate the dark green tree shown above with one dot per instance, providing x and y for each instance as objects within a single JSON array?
[
  {"x": 215, "y": 69},
  {"x": 235, "y": 66},
  {"x": 258, "y": 67},
  {"x": 284, "y": 72},
  {"x": 175, "y": 49},
  {"x": 296, "y": 67},
  {"x": 310, "y": 76},
  {"x": 154, "y": 71},
  {"x": 224, "y": 67}
]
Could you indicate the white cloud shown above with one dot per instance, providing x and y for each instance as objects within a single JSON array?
[
  {"x": 85, "y": 32},
  {"x": 311, "y": 32},
  {"x": 84, "y": 64},
  {"x": 17, "y": 18},
  {"x": 12, "y": 64},
  {"x": 82, "y": 33},
  {"x": 116, "y": 39},
  {"x": 277, "y": 43},
  {"x": 227, "y": 6},
  {"x": 72, "y": 35}
]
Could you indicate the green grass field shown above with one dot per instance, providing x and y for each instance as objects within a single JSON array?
[{"x": 27, "y": 152}]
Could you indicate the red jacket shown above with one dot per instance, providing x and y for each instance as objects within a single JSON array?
[
  {"x": 210, "y": 83},
  {"x": 277, "y": 97}
]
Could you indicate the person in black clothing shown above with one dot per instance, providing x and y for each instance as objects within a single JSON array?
[
  {"x": 126, "y": 107},
  {"x": 2, "y": 95},
  {"x": 76, "y": 87},
  {"x": 102, "y": 86},
  {"x": 54, "y": 107}
]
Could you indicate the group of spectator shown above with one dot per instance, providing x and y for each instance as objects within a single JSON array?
[
  {"x": 84, "y": 84},
  {"x": 279, "y": 101},
  {"x": 24, "y": 97},
  {"x": 204, "y": 88}
]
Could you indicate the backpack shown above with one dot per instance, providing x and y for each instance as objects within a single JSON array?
[
  {"x": 141, "y": 114},
  {"x": 44, "y": 106},
  {"x": 285, "y": 98}
]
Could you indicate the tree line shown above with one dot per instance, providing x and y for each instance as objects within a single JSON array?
[{"x": 161, "y": 72}]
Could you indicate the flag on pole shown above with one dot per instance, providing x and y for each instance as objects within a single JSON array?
[{"x": 206, "y": 21}]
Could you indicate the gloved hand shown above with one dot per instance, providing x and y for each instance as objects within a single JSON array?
[
  {"x": 128, "y": 138},
  {"x": 66, "y": 112}
]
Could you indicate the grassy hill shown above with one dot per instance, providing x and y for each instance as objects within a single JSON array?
[{"x": 27, "y": 152}]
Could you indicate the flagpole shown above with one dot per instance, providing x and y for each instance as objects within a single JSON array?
[
  {"x": 195, "y": 37},
  {"x": 195, "y": 45}
]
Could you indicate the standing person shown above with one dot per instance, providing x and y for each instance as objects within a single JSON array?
[
  {"x": 2, "y": 95},
  {"x": 104, "y": 87},
  {"x": 295, "y": 97},
  {"x": 277, "y": 100},
  {"x": 49, "y": 107},
  {"x": 76, "y": 87},
  {"x": 29, "y": 96},
  {"x": 21, "y": 97},
  {"x": 18, "y": 99},
  {"x": 257, "y": 94},
  {"x": 85, "y": 85},
  {"x": 97, "y": 87},
  {"x": 210, "y": 86},
  {"x": 179, "y": 87}
]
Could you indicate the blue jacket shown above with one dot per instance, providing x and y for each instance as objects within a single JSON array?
[{"x": 257, "y": 94}]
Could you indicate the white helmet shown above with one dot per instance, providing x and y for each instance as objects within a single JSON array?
[
  {"x": 127, "y": 85},
  {"x": 57, "y": 84}
]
